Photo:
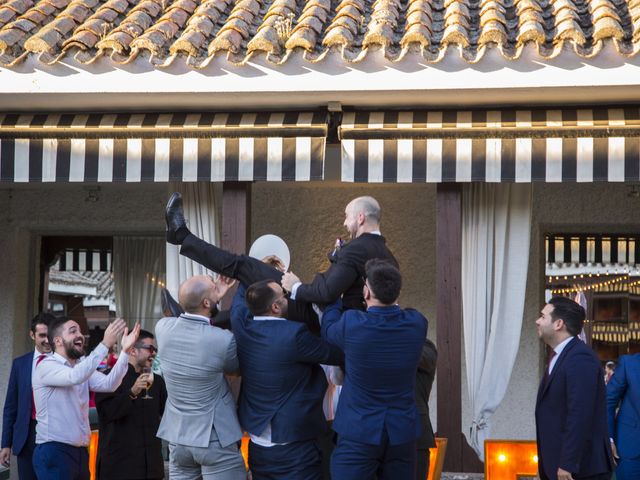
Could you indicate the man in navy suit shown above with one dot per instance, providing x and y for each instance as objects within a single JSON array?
[
  {"x": 623, "y": 391},
  {"x": 282, "y": 385},
  {"x": 377, "y": 420},
  {"x": 571, "y": 412},
  {"x": 18, "y": 420}
]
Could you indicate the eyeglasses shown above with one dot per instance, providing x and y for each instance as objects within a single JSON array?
[{"x": 151, "y": 348}]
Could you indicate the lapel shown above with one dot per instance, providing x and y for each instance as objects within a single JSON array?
[
  {"x": 25, "y": 367},
  {"x": 565, "y": 352}
]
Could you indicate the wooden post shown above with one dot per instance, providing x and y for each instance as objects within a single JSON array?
[
  {"x": 236, "y": 214},
  {"x": 460, "y": 457}
]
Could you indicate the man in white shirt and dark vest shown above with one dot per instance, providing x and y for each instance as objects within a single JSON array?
[{"x": 61, "y": 384}]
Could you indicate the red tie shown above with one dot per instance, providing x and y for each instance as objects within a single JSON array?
[
  {"x": 550, "y": 356},
  {"x": 33, "y": 403}
]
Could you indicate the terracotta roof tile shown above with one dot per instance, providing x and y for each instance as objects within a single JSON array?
[{"x": 198, "y": 30}]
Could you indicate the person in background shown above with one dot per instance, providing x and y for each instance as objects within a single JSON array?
[
  {"x": 128, "y": 448},
  {"x": 61, "y": 384},
  {"x": 623, "y": 413},
  {"x": 609, "y": 369},
  {"x": 19, "y": 419},
  {"x": 424, "y": 382},
  {"x": 571, "y": 415}
]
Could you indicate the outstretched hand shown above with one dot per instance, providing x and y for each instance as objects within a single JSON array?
[
  {"x": 130, "y": 338},
  {"x": 113, "y": 331},
  {"x": 223, "y": 284},
  {"x": 289, "y": 279}
]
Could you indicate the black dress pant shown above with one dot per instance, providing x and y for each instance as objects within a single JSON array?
[{"x": 246, "y": 270}]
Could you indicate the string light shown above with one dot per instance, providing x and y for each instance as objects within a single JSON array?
[{"x": 592, "y": 286}]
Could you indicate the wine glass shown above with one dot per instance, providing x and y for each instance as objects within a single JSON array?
[{"x": 149, "y": 372}]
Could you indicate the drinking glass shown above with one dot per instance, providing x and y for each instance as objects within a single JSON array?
[{"x": 149, "y": 372}]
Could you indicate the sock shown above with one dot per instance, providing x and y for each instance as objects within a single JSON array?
[{"x": 181, "y": 234}]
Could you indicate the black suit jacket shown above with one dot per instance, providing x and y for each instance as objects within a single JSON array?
[
  {"x": 346, "y": 274},
  {"x": 571, "y": 416},
  {"x": 424, "y": 382},
  {"x": 128, "y": 447}
]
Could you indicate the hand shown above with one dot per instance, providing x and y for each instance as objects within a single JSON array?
[
  {"x": 564, "y": 475},
  {"x": 113, "y": 331},
  {"x": 129, "y": 338},
  {"x": 275, "y": 262},
  {"x": 223, "y": 284},
  {"x": 140, "y": 385},
  {"x": 614, "y": 451},
  {"x": 289, "y": 279},
  {"x": 5, "y": 457}
]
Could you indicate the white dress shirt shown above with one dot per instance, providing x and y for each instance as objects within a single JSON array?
[
  {"x": 36, "y": 356},
  {"x": 61, "y": 395},
  {"x": 559, "y": 348}
]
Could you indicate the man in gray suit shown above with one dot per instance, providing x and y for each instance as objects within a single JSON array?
[{"x": 200, "y": 421}]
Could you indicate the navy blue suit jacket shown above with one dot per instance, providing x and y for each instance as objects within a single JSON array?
[
  {"x": 382, "y": 347},
  {"x": 17, "y": 404},
  {"x": 282, "y": 382},
  {"x": 623, "y": 390},
  {"x": 571, "y": 415}
]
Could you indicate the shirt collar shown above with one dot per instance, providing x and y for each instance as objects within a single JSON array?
[
  {"x": 60, "y": 359},
  {"x": 267, "y": 317},
  {"x": 560, "y": 347},
  {"x": 195, "y": 316}
]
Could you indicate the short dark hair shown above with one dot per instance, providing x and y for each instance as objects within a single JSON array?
[
  {"x": 384, "y": 280},
  {"x": 143, "y": 335},
  {"x": 260, "y": 296},
  {"x": 54, "y": 329},
  {"x": 42, "y": 318},
  {"x": 570, "y": 312}
]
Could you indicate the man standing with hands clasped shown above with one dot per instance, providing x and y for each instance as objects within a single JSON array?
[
  {"x": 61, "y": 385},
  {"x": 571, "y": 415}
]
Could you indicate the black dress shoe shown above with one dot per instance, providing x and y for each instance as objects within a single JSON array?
[{"x": 174, "y": 216}]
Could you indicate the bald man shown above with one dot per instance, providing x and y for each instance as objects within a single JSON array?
[
  {"x": 200, "y": 421},
  {"x": 345, "y": 276}
]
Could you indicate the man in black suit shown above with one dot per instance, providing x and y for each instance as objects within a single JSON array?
[
  {"x": 128, "y": 447},
  {"x": 571, "y": 411},
  {"x": 282, "y": 385},
  {"x": 344, "y": 277},
  {"x": 424, "y": 382}
]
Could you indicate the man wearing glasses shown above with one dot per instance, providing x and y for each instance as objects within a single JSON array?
[{"x": 130, "y": 417}]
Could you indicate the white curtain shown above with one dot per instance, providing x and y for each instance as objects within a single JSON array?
[
  {"x": 496, "y": 226},
  {"x": 201, "y": 211},
  {"x": 138, "y": 274}
]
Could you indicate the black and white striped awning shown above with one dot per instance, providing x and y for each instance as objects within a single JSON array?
[
  {"x": 592, "y": 249},
  {"x": 163, "y": 147},
  {"x": 84, "y": 260},
  {"x": 579, "y": 145}
]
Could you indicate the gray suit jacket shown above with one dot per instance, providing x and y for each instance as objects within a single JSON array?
[{"x": 194, "y": 358}]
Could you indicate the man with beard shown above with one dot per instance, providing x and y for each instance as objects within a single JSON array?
[
  {"x": 343, "y": 278},
  {"x": 19, "y": 419},
  {"x": 571, "y": 412},
  {"x": 200, "y": 421},
  {"x": 282, "y": 385},
  {"x": 128, "y": 447},
  {"x": 61, "y": 385}
]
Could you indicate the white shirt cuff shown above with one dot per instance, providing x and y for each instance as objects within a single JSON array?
[{"x": 294, "y": 289}]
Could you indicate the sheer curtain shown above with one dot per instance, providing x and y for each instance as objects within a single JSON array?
[
  {"x": 496, "y": 226},
  {"x": 201, "y": 201},
  {"x": 138, "y": 273}
]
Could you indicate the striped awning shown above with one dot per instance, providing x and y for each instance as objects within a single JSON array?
[
  {"x": 85, "y": 260},
  {"x": 573, "y": 145},
  {"x": 593, "y": 249},
  {"x": 212, "y": 147}
]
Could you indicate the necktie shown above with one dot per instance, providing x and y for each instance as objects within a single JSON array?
[
  {"x": 33, "y": 403},
  {"x": 550, "y": 356}
]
